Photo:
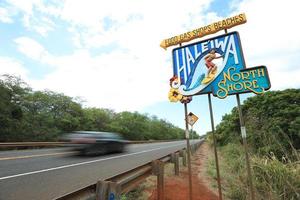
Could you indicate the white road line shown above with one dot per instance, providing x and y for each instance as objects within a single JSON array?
[
  {"x": 83, "y": 163},
  {"x": 33, "y": 156}
]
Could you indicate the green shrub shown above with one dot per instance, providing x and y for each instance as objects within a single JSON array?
[
  {"x": 276, "y": 180},
  {"x": 272, "y": 122},
  {"x": 272, "y": 179}
]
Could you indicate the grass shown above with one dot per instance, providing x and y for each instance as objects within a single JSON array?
[
  {"x": 273, "y": 179},
  {"x": 136, "y": 194},
  {"x": 140, "y": 193}
]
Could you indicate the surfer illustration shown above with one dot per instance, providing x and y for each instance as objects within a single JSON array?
[{"x": 212, "y": 67}]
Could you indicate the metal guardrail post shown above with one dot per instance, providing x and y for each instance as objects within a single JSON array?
[
  {"x": 172, "y": 157},
  {"x": 101, "y": 190},
  {"x": 184, "y": 158},
  {"x": 191, "y": 150},
  {"x": 195, "y": 148},
  {"x": 158, "y": 170},
  {"x": 176, "y": 164},
  {"x": 114, "y": 191},
  {"x": 181, "y": 155},
  {"x": 175, "y": 160},
  {"x": 108, "y": 190}
]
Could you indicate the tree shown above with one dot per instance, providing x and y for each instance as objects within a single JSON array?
[
  {"x": 97, "y": 119},
  {"x": 27, "y": 115},
  {"x": 272, "y": 122},
  {"x": 51, "y": 114},
  {"x": 12, "y": 92},
  {"x": 132, "y": 126}
]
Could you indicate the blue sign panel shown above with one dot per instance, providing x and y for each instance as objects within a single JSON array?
[{"x": 210, "y": 65}]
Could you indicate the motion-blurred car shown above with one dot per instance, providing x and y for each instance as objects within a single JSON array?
[{"x": 94, "y": 143}]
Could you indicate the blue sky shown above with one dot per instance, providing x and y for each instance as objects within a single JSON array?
[{"x": 110, "y": 56}]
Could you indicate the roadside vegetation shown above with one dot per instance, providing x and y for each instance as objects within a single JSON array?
[
  {"x": 27, "y": 115},
  {"x": 273, "y": 135}
]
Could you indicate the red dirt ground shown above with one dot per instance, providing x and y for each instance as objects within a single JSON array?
[{"x": 176, "y": 187}]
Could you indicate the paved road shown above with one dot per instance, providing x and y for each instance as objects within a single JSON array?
[{"x": 49, "y": 173}]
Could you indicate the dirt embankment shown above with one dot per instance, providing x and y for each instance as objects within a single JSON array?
[{"x": 177, "y": 187}]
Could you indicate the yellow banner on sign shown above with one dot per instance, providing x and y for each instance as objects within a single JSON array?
[{"x": 205, "y": 30}]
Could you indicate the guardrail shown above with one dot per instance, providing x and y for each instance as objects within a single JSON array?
[
  {"x": 57, "y": 144},
  {"x": 112, "y": 188}
]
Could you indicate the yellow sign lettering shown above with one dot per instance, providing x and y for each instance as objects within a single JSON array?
[
  {"x": 240, "y": 81},
  {"x": 206, "y": 30}
]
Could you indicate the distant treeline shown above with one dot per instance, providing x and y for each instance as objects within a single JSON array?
[
  {"x": 27, "y": 115},
  {"x": 273, "y": 135}
]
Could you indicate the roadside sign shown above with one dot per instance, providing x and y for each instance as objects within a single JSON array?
[
  {"x": 200, "y": 64},
  {"x": 192, "y": 118},
  {"x": 217, "y": 66},
  {"x": 254, "y": 79},
  {"x": 214, "y": 66},
  {"x": 205, "y": 30}
]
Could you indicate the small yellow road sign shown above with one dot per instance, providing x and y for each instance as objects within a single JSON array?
[{"x": 191, "y": 118}]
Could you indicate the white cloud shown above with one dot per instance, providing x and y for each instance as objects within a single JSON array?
[
  {"x": 25, "y": 6},
  {"x": 5, "y": 16},
  {"x": 32, "y": 49},
  {"x": 41, "y": 25},
  {"x": 137, "y": 73},
  {"x": 115, "y": 80},
  {"x": 142, "y": 19},
  {"x": 271, "y": 38},
  {"x": 11, "y": 66},
  {"x": 35, "y": 14},
  {"x": 127, "y": 79}
]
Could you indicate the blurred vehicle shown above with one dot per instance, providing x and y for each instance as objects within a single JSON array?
[{"x": 94, "y": 143}]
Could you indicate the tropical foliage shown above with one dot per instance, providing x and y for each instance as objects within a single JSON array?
[
  {"x": 273, "y": 136},
  {"x": 272, "y": 122},
  {"x": 27, "y": 115}
]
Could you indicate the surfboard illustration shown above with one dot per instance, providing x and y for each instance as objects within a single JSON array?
[
  {"x": 200, "y": 78},
  {"x": 209, "y": 77}
]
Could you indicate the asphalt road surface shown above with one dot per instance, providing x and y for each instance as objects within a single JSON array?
[{"x": 49, "y": 173}]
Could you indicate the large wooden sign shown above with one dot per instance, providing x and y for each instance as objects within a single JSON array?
[
  {"x": 205, "y": 30},
  {"x": 217, "y": 66}
]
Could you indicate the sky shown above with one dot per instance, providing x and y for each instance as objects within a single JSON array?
[{"x": 108, "y": 53}]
